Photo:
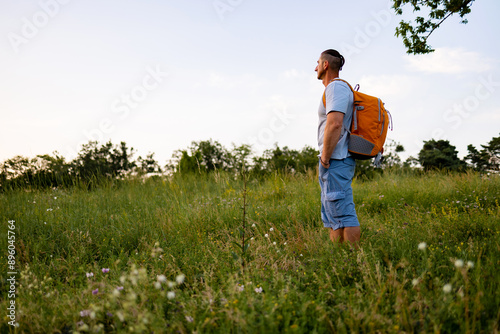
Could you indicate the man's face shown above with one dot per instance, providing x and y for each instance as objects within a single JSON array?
[{"x": 320, "y": 68}]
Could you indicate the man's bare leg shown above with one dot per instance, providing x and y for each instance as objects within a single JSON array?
[
  {"x": 337, "y": 235},
  {"x": 349, "y": 234},
  {"x": 352, "y": 235}
]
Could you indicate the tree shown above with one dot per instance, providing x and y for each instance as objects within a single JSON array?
[
  {"x": 493, "y": 150},
  {"x": 486, "y": 159},
  {"x": 202, "y": 156},
  {"x": 439, "y": 154},
  {"x": 476, "y": 159},
  {"x": 391, "y": 154},
  {"x": 107, "y": 160},
  {"x": 415, "y": 36},
  {"x": 148, "y": 164},
  {"x": 307, "y": 159}
]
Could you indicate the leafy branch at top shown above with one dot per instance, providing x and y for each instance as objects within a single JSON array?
[{"x": 415, "y": 36}]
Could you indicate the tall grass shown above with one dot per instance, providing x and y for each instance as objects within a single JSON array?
[{"x": 150, "y": 233}]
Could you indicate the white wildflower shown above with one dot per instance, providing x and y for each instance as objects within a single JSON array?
[
  {"x": 459, "y": 263},
  {"x": 470, "y": 264},
  {"x": 422, "y": 246},
  {"x": 180, "y": 279},
  {"x": 447, "y": 288},
  {"x": 171, "y": 295}
]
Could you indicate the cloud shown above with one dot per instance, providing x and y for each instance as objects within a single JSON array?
[{"x": 451, "y": 61}]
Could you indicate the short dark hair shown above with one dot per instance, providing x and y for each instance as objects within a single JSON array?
[{"x": 334, "y": 53}]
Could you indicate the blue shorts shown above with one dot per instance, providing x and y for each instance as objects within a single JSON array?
[{"x": 337, "y": 204}]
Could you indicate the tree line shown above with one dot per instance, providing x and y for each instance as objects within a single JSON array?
[{"x": 97, "y": 163}]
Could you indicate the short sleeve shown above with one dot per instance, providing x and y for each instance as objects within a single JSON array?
[{"x": 338, "y": 96}]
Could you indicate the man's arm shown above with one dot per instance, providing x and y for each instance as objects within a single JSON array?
[{"x": 333, "y": 128}]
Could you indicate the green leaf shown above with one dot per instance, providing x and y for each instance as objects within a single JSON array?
[{"x": 236, "y": 244}]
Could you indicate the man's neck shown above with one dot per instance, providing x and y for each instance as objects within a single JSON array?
[{"x": 329, "y": 76}]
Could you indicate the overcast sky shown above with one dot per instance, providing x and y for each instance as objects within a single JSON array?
[{"x": 159, "y": 74}]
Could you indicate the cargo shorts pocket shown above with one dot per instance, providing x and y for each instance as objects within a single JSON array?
[{"x": 335, "y": 203}]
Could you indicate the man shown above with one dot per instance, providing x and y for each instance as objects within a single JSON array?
[{"x": 336, "y": 166}]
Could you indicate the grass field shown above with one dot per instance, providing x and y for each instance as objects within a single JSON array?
[{"x": 166, "y": 256}]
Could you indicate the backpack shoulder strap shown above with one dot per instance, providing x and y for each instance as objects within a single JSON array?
[{"x": 336, "y": 79}]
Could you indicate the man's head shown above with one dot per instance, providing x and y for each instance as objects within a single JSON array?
[{"x": 330, "y": 60}]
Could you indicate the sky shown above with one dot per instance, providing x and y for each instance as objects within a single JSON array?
[{"x": 160, "y": 74}]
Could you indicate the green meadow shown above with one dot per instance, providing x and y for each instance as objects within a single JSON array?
[{"x": 213, "y": 254}]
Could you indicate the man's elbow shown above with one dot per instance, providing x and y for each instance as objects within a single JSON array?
[{"x": 335, "y": 126}]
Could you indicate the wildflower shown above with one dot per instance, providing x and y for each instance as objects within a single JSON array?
[
  {"x": 241, "y": 288},
  {"x": 470, "y": 264},
  {"x": 83, "y": 327},
  {"x": 301, "y": 255},
  {"x": 258, "y": 290},
  {"x": 284, "y": 243},
  {"x": 251, "y": 238},
  {"x": 180, "y": 279},
  {"x": 189, "y": 319},
  {"x": 91, "y": 274},
  {"x": 109, "y": 314},
  {"x": 157, "y": 285},
  {"x": 271, "y": 229},
  {"x": 120, "y": 288},
  {"x": 459, "y": 263},
  {"x": 253, "y": 225},
  {"x": 170, "y": 284},
  {"x": 266, "y": 235},
  {"x": 422, "y": 246},
  {"x": 274, "y": 243},
  {"x": 84, "y": 313},
  {"x": 105, "y": 270},
  {"x": 161, "y": 278},
  {"x": 120, "y": 316},
  {"x": 45, "y": 223},
  {"x": 415, "y": 281},
  {"x": 447, "y": 288},
  {"x": 171, "y": 295},
  {"x": 95, "y": 292}
]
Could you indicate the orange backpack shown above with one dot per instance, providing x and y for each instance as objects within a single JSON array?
[{"x": 370, "y": 122}]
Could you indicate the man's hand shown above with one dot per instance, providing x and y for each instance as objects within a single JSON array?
[{"x": 324, "y": 163}]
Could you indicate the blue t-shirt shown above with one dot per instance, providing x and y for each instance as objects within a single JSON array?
[{"x": 339, "y": 98}]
